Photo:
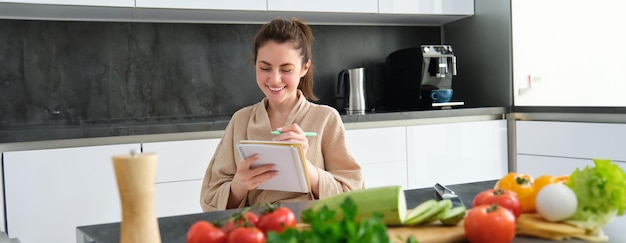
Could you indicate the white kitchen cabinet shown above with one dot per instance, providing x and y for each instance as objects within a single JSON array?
[
  {"x": 344, "y": 6},
  {"x": 180, "y": 171},
  {"x": 75, "y": 10},
  {"x": 381, "y": 152},
  {"x": 456, "y": 153},
  {"x": 545, "y": 147},
  {"x": 182, "y": 160},
  {"x": 102, "y": 3},
  {"x": 536, "y": 165},
  {"x": 50, "y": 192},
  {"x": 433, "y": 7},
  {"x": 257, "y": 5},
  {"x": 178, "y": 198},
  {"x": 571, "y": 139}
]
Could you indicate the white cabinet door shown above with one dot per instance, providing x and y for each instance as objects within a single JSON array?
[
  {"x": 103, "y": 3},
  {"x": 456, "y": 153},
  {"x": 178, "y": 198},
  {"x": 52, "y": 191},
  {"x": 180, "y": 172},
  {"x": 259, "y": 5},
  {"x": 381, "y": 152},
  {"x": 347, "y": 6},
  {"x": 571, "y": 139},
  {"x": 536, "y": 165},
  {"x": 182, "y": 160},
  {"x": 442, "y": 7}
]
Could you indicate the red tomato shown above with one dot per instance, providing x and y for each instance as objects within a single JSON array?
[
  {"x": 246, "y": 235},
  {"x": 489, "y": 224},
  {"x": 278, "y": 220},
  {"x": 238, "y": 221},
  {"x": 203, "y": 231},
  {"x": 505, "y": 198}
]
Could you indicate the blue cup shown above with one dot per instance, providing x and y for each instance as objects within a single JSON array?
[{"x": 441, "y": 95}]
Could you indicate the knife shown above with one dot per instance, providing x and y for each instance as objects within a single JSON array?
[{"x": 445, "y": 193}]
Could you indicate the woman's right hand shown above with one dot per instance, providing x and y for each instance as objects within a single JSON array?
[{"x": 247, "y": 178}]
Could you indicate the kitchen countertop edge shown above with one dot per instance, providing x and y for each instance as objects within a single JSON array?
[{"x": 213, "y": 127}]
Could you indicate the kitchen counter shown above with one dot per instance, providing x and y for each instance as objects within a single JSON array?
[
  {"x": 212, "y": 125},
  {"x": 174, "y": 229}
]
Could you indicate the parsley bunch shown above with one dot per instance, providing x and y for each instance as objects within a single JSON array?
[{"x": 327, "y": 226}]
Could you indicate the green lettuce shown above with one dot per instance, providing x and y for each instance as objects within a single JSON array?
[{"x": 601, "y": 193}]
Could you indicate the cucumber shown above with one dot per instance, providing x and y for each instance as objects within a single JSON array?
[
  {"x": 453, "y": 216},
  {"x": 429, "y": 211},
  {"x": 422, "y": 212},
  {"x": 388, "y": 201},
  {"x": 444, "y": 207}
]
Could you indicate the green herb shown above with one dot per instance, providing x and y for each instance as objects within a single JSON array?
[
  {"x": 601, "y": 193},
  {"x": 327, "y": 226}
]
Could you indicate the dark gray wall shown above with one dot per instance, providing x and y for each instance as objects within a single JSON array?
[
  {"x": 84, "y": 73},
  {"x": 482, "y": 44}
]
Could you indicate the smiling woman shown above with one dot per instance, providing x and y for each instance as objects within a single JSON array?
[{"x": 284, "y": 73}]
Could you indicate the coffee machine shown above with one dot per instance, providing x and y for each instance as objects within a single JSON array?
[
  {"x": 438, "y": 66},
  {"x": 412, "y": 73}
]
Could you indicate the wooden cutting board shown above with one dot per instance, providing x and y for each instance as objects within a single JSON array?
[{"x": 435, "y": 233}]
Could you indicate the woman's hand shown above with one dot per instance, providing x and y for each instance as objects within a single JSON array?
[
  {"x": 247, "y": 178},
  {"x": 293, "y": 133}
]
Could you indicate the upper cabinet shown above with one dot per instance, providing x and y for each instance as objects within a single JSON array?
[
  {"x": 443, "y": 7},
  {"x": 258, "y": 5},
  {"x": 344, "y": 6},
  {"x": 102, "y": 3},
  {"x": 75, "y": 10},
  {"x": 324, "y": 12}
]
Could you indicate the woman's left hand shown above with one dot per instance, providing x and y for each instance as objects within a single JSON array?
[{"x": 293, "y": 133}]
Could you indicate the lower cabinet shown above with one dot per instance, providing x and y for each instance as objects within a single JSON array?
[
  {"x": 181, "y": 168},
  {"x": 178, "y": 198},
  {"x": 558, "y": 148},
  {"x": 50, "y": 192},
  {"x": 537, "y": 165},
  {"x": 456, "y": 153},
  {"x": 420, "y": 156},
  {"x": 381, "y": 152}
]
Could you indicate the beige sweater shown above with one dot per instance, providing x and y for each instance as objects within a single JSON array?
[{"x": 329, "y": 152}]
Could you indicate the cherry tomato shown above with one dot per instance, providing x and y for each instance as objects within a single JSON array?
[
  {"x": 504, "y": 198},
  {"x": 489, "y": 223},
  {"x": 246, "y": 235},
  {"x": 278, "y": 219},
  {"x": 203, "y": 231},
  {"x": 247, "y": 219}
]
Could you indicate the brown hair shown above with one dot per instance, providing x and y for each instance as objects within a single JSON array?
[{"x": 297, "y": 32}]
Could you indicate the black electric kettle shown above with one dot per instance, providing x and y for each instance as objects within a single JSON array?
[{"x": 351, "y": 88}]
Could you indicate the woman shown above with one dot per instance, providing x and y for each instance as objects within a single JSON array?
[{"x": 282, "y": 57}]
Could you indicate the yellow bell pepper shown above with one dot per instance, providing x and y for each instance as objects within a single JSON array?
[
  {"x": 526, "y": 187},
  {"x": 522, "y": 185}
]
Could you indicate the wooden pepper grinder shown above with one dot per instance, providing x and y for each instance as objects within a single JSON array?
[{"x": 136, "y": 178}]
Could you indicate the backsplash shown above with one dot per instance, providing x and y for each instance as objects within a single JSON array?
[{"x": 62, "y": 74}]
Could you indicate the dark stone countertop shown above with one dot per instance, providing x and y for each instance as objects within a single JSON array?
[
  {"x": 147, "y": 126},
  {"x": 174, "y": 228}
]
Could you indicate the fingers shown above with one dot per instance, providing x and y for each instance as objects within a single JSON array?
[
  {"x": 293, "y": 133},
  {"x": 250, "y": 178},
  {"x": 295, "y": 128}
]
